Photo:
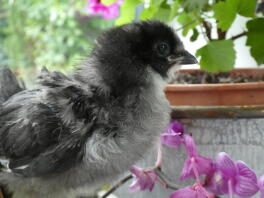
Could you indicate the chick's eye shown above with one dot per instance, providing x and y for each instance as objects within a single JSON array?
[{"x": 163, "y": 49}]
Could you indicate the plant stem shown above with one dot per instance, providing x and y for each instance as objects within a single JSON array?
[
  {"x": 201, "y": 20},
  {"x": 159, "y": 156},
  {"x": 116, "y": 186},
  {"x": 239, "y": 35},
  {"x": 208, "y": 29},
  {"x": 221, "y": 34},
  {"x": 165, "y": 180},
  {"x": 158, "y": 172},
  {"x": 204, "y": 34}
]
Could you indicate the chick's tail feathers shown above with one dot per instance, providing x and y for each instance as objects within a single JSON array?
[{"x": 9, "y": 85}]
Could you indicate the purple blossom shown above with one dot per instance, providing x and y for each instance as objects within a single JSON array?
[
  {"x": 195, "y": 191},
  {"x": 95, "y": 7},
  {"x": 173, "y": 136},
  {"x": 143, "y": 179},
  {"x": 233, "y": 178},
  {"x": 190, "y": 146},
  {"x": 261, "y": 186},
  {"x": 195, "y": 165}
]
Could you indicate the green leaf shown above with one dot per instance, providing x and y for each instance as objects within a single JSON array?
[
  {"x": 108, "y": 2},
  {"x": 174, "y": 10},
  {"x": 162, "y": 14},
  {"x": 194, "y": 35},
  {"x": 155, "y": 3},
  {"x": 158, "y": 10},
  {"x": 153, "y": 11},
  {"x": 247, "y": 8},
  {"x": 193, "y": 5},
  {"x": 188, "y": 22},
  {"x": 217, "y": 56},
  {"x": 128, "y": 11},
  {"x": 148, "y": 13},
  {"x": 225, "y": 13},
  {"x": 255, "y": 39}
]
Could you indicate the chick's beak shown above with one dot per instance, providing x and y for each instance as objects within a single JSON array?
[
  {"x": 188, "y": 59},
  {"x": 184, "y": 59}
]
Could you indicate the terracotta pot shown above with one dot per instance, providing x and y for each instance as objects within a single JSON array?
[{"x": 232, "y": 94}]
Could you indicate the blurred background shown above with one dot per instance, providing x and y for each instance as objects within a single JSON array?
[
  {"x": 52, "y": 33},
  {"x": 58, "y": 34}
]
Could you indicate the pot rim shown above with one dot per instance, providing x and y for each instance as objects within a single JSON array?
[
  {"x": 214, "y": 87},
  {"x": 219, "y": 86},
  {"x": 223, "y": 112}
]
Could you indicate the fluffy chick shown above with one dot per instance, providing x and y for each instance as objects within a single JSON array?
[{"x": 83, "y": 130}]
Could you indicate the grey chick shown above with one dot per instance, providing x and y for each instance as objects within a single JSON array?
[{"x": 85, "y": 129}]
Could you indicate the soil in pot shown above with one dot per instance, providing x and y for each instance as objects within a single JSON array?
[{"x": 202, "y": 77}]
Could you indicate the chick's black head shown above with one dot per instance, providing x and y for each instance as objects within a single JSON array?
[
  {"x": 160, "y": 48},
  {"x": 127, "y": 52}
]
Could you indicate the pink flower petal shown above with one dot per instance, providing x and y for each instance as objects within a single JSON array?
[
  {"x": 195, "y": 191},
  {"x": 137, "y": 171},
  {"x": 225, "y": 164},
  {"x": 171, "y": 140},
  {"x": 186, "y": 170},
  {"x": 245, "y": 187},
  {"x": 190, "y": 146},
  {"x": 111, "y": 11},
  {"x": 152, "y": 177},
  {"x": 143, "y": 179},
  {"x": 245, "y": 171},
  {"x": 108, "y": 12},
  {"x": 177, "y": 127},
  {"x": 134, "y": 187},
  {"x": 261, "y": 186},
  {"x": 172, "y": 137},
  {"x": 184, "y": 192},
  {"x": 203, "y": 165},
  {"x": 147, "y": 181},
  {"x": 93, "y": 1}
]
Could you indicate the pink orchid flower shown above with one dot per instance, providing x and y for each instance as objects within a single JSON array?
[
  {"x": 195, "y": 165},
  {"x": 173, "y": 136},
  {"x": 95, "y": 7},
  {"x": 195, "y": 191},
  {"x": 143, "y": 179},
  {"x": 233, "y": 178}
]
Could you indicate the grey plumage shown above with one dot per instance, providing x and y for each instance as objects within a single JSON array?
[
  {"x": 7, "y": 90},
  {"x": 85, "y": 129}
]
